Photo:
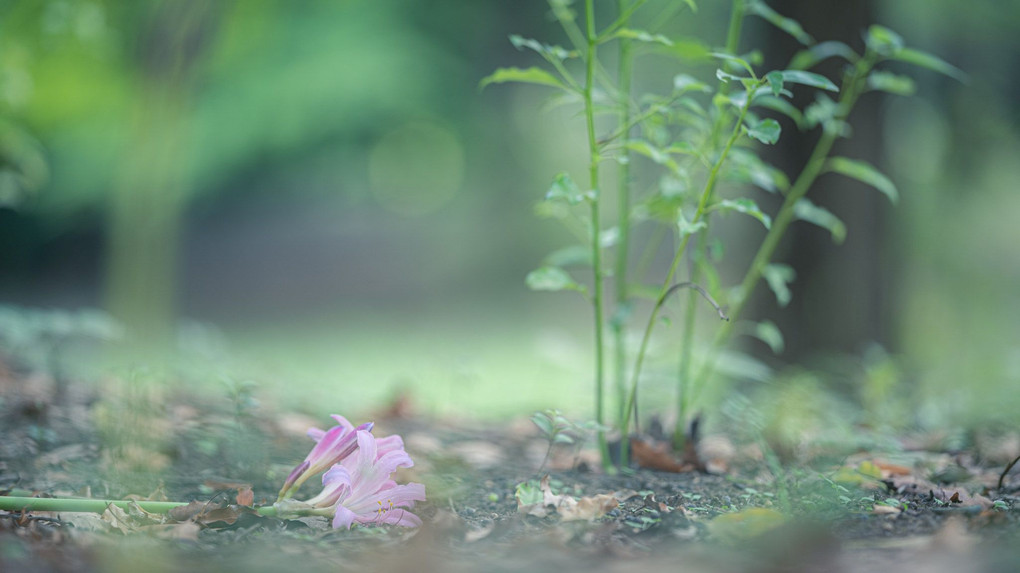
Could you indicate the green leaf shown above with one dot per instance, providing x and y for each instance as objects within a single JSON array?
[
  {"x": 564, "y": 188},
  {"x": 552, "y": 279},
  {"x": 767, "y": 332},
  {"x": 657, "y": 155},
  {"x": 766, "y": 131},
  {"x": 746, "y": 167},
  {"x": 865, "y": 173},
  {"x": 883, "y": 41},
  {"x": 782, "y": 106},
  {"x": 775, "y": 80},
  {"x": 528, "y": 76},
  {"x": 569, "y": 256},
  {"x": 808, "y": 58},
  {"x": 809, "y": 79},
  {"x": 684, "y": 83},
  {"x": 687, "y": 49},
  {"x": 805, "y": 210},
  {"x": 554, "y": 52},
  {"x": 928, "y": 61},
  {"x": 747, "y": 207},
  {"x": 788, "y": 25},
  {"x": 724, "y": 76},
  {"x": 685, "y": 227},
  {"x": 643, "y": 36},
  {"x": 778, "y": 276},
  {"x": 734, "y": 60},
  {"x": 891, "y": 83},
  {"x": 541, "y": 419}
]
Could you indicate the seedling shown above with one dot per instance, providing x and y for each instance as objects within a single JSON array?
[{"x": 699, "y": 142}]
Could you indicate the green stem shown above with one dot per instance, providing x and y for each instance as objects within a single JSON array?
[
  {"x": 812, "y": 169},
  {"x": 623, "y": 220},
  {"x": 684, "y": 383},
  {"x": 82, "y": 505},
  {"x": 667, "y": 283},
  {"x": 593, "y": 172}
]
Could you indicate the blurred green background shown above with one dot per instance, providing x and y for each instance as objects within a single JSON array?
[{"x": 317, "y": 196}]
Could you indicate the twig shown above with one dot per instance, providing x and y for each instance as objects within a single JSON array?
[
  {"x": 1002, "y": 477},
  {"x": 700, "y": 290}
]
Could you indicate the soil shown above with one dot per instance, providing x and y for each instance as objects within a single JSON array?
[{"x": 206, "y": 449}]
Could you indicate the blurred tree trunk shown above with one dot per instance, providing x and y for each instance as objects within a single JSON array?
[
  {"x": 146, "y": 206},
  {"x": 841, "y": 295}
]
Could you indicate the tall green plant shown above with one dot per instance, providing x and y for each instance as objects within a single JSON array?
[{"x": 702, "y": 140}]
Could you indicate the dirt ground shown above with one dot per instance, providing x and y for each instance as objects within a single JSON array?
[{"x": 864, "y": 514}]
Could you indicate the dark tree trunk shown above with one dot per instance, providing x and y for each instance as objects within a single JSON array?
[{"x": 842, "y": 293}]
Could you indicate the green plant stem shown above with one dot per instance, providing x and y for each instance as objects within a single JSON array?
[
  {"x": 684, "y": 382},
  {"x": 623, "y": 221},
  {"x": 667, "y": 283},
  {"x": 82, "y": 505},
  {"x": 812, "y": 169},
  {"x": 593, "y": 149}
]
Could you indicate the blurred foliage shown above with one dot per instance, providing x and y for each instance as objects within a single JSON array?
[{"x": 314, "y": 107}]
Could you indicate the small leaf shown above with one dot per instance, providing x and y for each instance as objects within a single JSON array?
[
  {"x": 883, "y": 41},
  {"x": 865, "y": 173},
  {"x": 775, "y": 80},
  {"x": 643, "y": 36},
  {"x": 655, "y": 154},
  {"x": 563, "y": 187},
  {"x": 891, "y": 83},
  {"x": 782, "y": 106},
  {"x": 685, "y": 227},
  {"x": 747, "y": 207},
  {"x": 685, "y": 83},
  {"x": 734, "y": 60},
  {"x": 569, "y": 256},
  {"x": 767, "y": 332},
  {"x": 766, "y": 131},
  {"x": 726, "y": 76},
  {"x": 541, "y": 419},
  {"x": 555, "y": 52},
  {"x": 805, "y": 210},
  {"x": 805, "y": 59},
  {"x": 788, "y": 25},
  {"x": 928, "y": 61},
  {"x": 552, "y": 279},
  {"x": 809, "y": 79},
  {"x": 778, "y": 276},
  {"x": 687, "y": 49},
  {"x": 529, "y": 76}
]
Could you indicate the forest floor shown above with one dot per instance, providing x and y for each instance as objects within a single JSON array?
[{"x": 918, "y": 509}]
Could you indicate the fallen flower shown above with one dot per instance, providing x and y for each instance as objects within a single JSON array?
[
  {"x": 359, "y": 489},
  {"x": 334, "y": 445}
]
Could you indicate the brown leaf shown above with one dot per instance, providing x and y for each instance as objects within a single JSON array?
[
  {"x": 245, "y": 496},
  {"x": 193, "y": 509},
  {"x": 889, "y": 470},
  {"x": 657, "y": 457},
  {"x": 588, "y": 508}
]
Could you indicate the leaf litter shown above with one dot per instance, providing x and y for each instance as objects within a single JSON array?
[{"x": 574, "y": 515}]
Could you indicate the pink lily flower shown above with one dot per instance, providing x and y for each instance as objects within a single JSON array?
[
  {"x": 334, "y": 445},
  {"x": 359, "y": 489}
]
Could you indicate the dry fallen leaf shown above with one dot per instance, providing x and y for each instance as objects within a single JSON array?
[
  {"x": 657, "y": 457},
  {"x": 882, "y": 509},
  {"x": 245, "y": 496},
  {"x": 587, "y": 508}
]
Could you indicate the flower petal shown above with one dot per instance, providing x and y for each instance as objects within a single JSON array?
[{"x": 343, "y": 518}]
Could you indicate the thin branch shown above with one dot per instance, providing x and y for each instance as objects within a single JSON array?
[
  {"x": 701, "y": 291},
  {"x": 1002, "y": 477}
]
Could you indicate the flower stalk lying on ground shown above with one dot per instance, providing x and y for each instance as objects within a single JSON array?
[{"x": 357, "y": 484}]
